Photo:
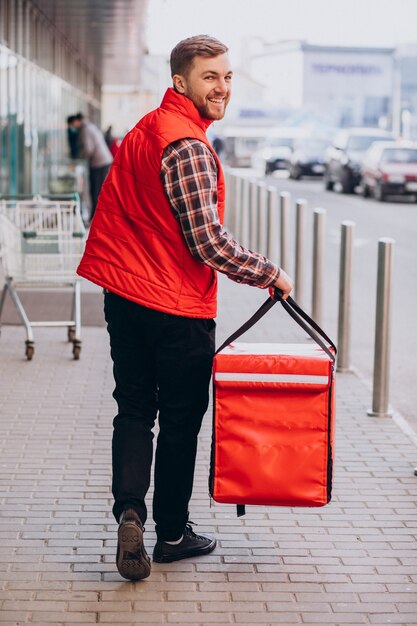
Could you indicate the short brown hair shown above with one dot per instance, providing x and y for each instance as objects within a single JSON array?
[{"x": 182, "y": 56}]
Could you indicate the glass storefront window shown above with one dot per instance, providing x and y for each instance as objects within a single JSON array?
[
  {"x": 4, "y": 126},
  {"x": 41, "y": 84}
]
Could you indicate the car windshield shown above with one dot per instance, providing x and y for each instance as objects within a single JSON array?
[
  {"x": 399, "y": 155},
  {"x": 360, "y": 143}
]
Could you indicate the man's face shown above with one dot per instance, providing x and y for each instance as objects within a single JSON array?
[{"x": 207, "y": 85}]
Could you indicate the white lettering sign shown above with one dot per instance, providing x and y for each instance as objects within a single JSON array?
[{"x": 327, "y": 68}]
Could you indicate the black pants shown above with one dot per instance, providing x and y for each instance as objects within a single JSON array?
[
  {"x": 97, "y": 178},
  {"x": 162, "y": 365}
]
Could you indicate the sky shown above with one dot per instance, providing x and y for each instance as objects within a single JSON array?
[{"x": 381, "y": 23}]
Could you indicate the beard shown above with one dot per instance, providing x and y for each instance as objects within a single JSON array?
[
  {"x": 204, "y": 108},
  {"x": 204, "y": 111}
]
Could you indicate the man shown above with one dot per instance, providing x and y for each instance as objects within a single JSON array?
[
  {"x": 112, "y": 142},
  {"x": 95, "y": 150},
  {"x": 218, "y": 145},
  {"x": 73, "y": 136},
  {"x": 155, "y": 245}
]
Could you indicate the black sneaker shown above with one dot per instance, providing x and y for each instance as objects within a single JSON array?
[
  {"x": 191, "y": 545},
  {"x": 132, "y": 560}
]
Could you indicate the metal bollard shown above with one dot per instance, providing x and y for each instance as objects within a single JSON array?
[
  {"x": 272, "y": 221},
  {"x": 300, "y": 243},
  {"x": 253, "y": 215},
  {"x": 232, "y": 203},
  {"x": 285, "y": 199},
  {"x": 318, "y": 264},
  {"x": 380, "y": 406},
  {"x": 262, "y": 220},
  {"x": 345, "y": 273},
  {"x": 238, "y": 207},
  {"x": 244, "y": 223},
  {"x": 227, "y": 176}
]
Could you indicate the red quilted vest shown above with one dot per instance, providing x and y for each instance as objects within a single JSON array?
[{"x": 135, "y": 246}]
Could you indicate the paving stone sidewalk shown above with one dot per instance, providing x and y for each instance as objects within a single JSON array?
[{"x": 352, "y": 562}]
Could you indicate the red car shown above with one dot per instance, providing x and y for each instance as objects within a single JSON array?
[{"x": 389, "y": 169}]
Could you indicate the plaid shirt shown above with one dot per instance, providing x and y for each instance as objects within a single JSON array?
[{"x": 189, "y": 175}]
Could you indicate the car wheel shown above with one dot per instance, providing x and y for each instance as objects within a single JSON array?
[
  {"x": 365, "y": 191},
  {"x": 378, "y": 193},
  {"x": 296, "y": 174},
  {"x": 328, "y": 184},
  {"x": 346, "y": 182}
]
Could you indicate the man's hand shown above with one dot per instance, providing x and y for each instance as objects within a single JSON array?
[{"x": 284, "y": 283}]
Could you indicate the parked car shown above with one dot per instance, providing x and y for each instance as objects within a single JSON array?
[
  {"x": 389, "y": 168},
  {"x": 343, "y": 159},
  {"x": 276, "y": 149},
  {"x": 240, "y": 142},
  {"x": 307, "y": 158},
  {"x": 274, "y": 155}
]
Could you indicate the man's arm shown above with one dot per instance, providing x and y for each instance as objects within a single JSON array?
[{"x": 189, "y": 175}]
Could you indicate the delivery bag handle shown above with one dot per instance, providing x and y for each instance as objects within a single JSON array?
[{"x": 297, "y": 313}]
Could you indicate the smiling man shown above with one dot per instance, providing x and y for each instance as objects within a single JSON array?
[
  {"x": 206, "y": 81},
  {"x": 155, "y": 244}
]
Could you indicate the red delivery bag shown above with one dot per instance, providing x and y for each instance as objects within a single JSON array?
[{"x": 273, "y": 418}]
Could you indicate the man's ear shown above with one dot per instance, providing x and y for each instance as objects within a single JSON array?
[{"x": 179, "y": 83}]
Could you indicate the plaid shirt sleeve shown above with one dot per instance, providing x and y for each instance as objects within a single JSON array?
[{"x": 189, "y": 176}]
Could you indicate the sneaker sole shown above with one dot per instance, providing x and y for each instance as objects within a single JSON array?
[
  {"x": 170, "y": 558},
  {"x": 130, "y": 542}
]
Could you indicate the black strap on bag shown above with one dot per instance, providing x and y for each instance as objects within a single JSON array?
[
  {"x": 297, "y": 313},
  {"x": 302, "y": 319}
]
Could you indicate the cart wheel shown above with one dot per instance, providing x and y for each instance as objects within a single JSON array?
[
  {"x": 76, "y": 350},
  {"x": 30, "y": 349},
  {"x": 71, "y": 333}
]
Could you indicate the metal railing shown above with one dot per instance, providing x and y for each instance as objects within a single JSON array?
[{"x": 261, "y": 219}]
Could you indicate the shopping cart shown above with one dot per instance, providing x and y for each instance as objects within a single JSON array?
[{"x": 41, "y": 242}]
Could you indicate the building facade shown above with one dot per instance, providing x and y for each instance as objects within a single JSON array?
[
  {"x": 345, "y": 86},
  {"x": 42, "y": 81},
  {"x": 55, "y": 56}
]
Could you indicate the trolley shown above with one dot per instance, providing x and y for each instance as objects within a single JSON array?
[{"x": 41, "y": 243}]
